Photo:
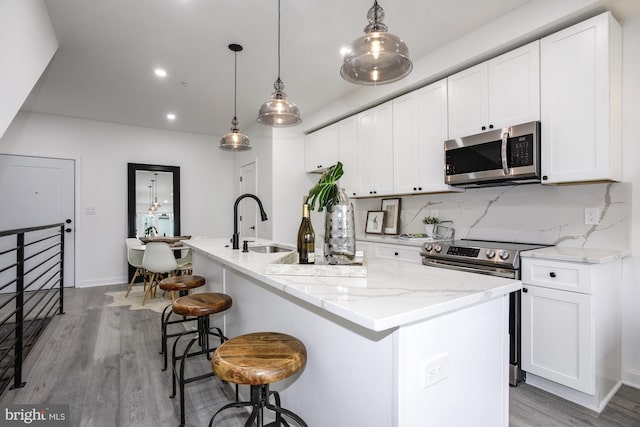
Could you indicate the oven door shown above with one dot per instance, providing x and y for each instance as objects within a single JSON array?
[{"x": 471, "y": 268}]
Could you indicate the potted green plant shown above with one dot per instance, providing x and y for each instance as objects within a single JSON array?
[
  {"x": 430, "y": 223},
  {"x": 339, "y": 222},
  {"x": 326, "y": 192}
]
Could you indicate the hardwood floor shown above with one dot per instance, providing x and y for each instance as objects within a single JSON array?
[{"x": 104, "y": 362}]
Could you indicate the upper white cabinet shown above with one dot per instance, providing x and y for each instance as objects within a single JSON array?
[
  {"x": 348, "y": 141},
  {"x": 419, "y": 132},
  {"x": 375, "y": 151},
  {"x": 581, "y": 102},
  {"x": 321, "y": 149},
  {"x": 503, "y": 91}
]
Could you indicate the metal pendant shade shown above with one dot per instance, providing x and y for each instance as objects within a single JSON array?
[
  {"x": 235, "y": 140},
  {"x": 376, "y": 57},
  {"x": 278, "y": 111}
]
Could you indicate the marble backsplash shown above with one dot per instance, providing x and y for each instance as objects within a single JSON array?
[{"x": 532, "y": 213}]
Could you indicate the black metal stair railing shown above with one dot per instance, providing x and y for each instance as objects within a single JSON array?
[{"x": 31, "y": 293}]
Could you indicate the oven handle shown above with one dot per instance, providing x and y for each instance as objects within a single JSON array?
[
  {"x": 481, "y": 269},
  {"x": 503, "y": 151}
]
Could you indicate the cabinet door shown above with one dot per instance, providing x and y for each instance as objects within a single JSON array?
[
  {"x": 514, "y": 87},
  {"x": 580, "y": 82},
  {"x": 557, "y": 337},
  {"x": 321, "y": 149},
  {"x": 348, "y": 140},
  {"x": 468, "y": 108},
  {"x": 375, "y": 151},
  {"x": 419, "y": 131}
]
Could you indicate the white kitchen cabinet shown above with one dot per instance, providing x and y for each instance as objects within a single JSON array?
[
  {"x": 419, "y": 131},
  {"x": 375, "y": 152},
  {"x": 321, "y": 149},
  {"x": 348, "y": 141},
  {"x": 503, "y": 91},
  {"x": 571, "y": 329},
  {"x": 581, "y": 102}
]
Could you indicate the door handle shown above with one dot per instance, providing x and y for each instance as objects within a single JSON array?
[
  {"x": 68, "y": 230},
  {"x": 253, "y": 227},
  {"x": 503, "y": 152},
  {"x": 68, "y": 221}
]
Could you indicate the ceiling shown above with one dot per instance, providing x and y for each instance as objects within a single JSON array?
[{"x": 104, "y": 67}]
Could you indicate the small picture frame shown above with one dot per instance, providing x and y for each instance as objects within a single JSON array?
[
  {"x": 392, "y": 216},
  {"x": 375, "y": 222}
]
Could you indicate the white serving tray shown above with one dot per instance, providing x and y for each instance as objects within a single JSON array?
[{"x": 288, "y": 266}]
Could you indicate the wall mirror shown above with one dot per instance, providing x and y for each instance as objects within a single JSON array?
[{"x": 153, "y": 200}]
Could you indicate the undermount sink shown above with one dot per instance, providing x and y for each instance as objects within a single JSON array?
[{"x": 269, "y": 249}]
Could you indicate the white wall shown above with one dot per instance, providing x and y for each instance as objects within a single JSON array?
[
  {"x": 102, "y": 151},
  {"x": 27, "y": 44}
]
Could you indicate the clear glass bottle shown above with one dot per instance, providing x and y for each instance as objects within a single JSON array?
[
  {"x": 306, "y": 238},
  {"x": 340, "y": 232}
]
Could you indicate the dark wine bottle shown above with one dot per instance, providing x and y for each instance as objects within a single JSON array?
[{"x": 306, "y": 238}]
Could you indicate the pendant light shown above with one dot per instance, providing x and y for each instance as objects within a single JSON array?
[
  {"x": 156, "y": 205},
  {"x": 376, "y": 57},
  {"x": 235, "y": 140},
  {"x": 277, "y": 111}
]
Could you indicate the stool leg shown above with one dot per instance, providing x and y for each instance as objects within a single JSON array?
[
  {"x": 182, "y": 362},
  {"x": 165, "y": 321}
]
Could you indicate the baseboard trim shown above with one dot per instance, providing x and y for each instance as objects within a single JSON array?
[{"x": 631, "y": 378}]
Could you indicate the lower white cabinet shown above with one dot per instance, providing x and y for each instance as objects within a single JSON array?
[
  {"x": 571, "y": 339},
  {"x": 390, "y": 251}
]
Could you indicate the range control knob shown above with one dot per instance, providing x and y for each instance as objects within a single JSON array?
[
  {"x": 490, "y": 253},
  {"x": 504, "y": 255},
  {"x": 428, "y": 247},
  {"x": 438, "y": 248}
]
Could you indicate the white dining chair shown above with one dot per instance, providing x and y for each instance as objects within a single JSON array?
[
  {"x": 134, "y": 257},
  {"x": 158, "y": 260}
]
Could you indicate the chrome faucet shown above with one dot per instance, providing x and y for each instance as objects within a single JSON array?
[{"x": 236, "y": 235}]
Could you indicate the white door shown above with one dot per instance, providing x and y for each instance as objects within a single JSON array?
[
  {"x": 248, "y": 208},
  {"x": 39, "y": 191}
]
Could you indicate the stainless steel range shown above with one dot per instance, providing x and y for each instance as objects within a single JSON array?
[{"x": 486, "y": 257}]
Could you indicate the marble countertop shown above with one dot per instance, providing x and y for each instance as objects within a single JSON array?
[
  {"x": 585, "y": 255},
  {"x": 393, "y": 294}
]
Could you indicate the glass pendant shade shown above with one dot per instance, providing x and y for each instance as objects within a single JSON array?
[
  {"x": 376, "y": 57},
  {"x": 235, "y": 140},
  {"x": 277, "y": 111}
]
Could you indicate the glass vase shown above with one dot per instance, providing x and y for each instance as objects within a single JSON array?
[{"x": 340, "y": 232}]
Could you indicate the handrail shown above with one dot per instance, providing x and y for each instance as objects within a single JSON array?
[{"x": 31, "y": 292}]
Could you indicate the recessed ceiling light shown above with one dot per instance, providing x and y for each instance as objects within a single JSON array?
[
  {"x": 171, "y": 116},
  {"x": 160, "y": 72}
]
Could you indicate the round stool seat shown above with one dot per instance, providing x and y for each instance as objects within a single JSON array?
[
  {"x": 202, "y": 304},
  {"x": 181, "y": 283},
  {"x": 258, "y": 358}
]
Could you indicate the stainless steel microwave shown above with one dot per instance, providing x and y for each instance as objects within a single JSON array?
[{"x": 504, "y": 156}]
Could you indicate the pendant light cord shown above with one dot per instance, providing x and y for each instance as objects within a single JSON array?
[
  {"x": 278, "y": 39},
  {"x": 235, "y": 82}
]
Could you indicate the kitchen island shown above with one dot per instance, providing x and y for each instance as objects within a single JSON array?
[{"x": 408, "y": 345}]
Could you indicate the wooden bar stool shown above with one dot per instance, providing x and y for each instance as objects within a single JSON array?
[
  {"x": 200, "y": 306},
  {"x": 182, "y": 285},
  {"x": 259, "y": 359}
]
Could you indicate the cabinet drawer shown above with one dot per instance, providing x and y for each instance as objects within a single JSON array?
[
  {"x": 402, "y": 253},
  {"x": 568, "y": 276}
]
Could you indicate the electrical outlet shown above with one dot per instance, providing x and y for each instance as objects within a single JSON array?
[
  {"x": 591, "y": 216},
  {"x": 435, "y": 370}
]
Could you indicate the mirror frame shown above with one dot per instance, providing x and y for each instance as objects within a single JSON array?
[{"x": 131, "y": 194}]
